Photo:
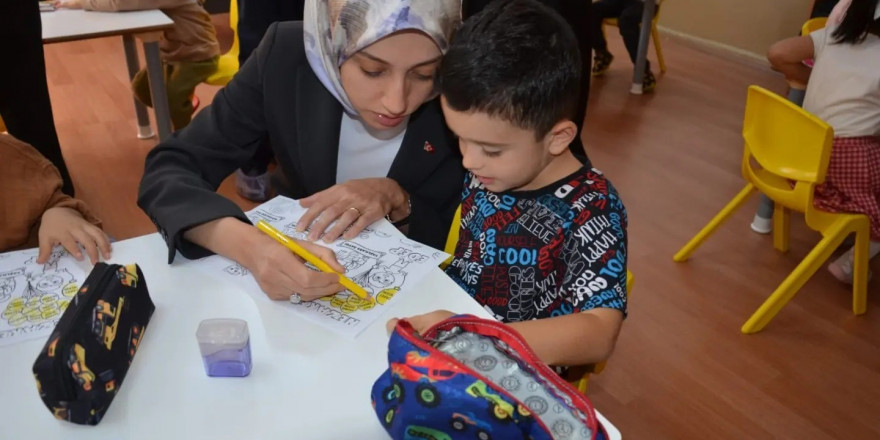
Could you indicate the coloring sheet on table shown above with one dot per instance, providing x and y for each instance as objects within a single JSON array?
[
  {"x": 381, "y": 260},
  {"x": 33, "y": 296}
]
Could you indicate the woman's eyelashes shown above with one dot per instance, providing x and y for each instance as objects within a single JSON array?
[{"x": 419, "y": 76}]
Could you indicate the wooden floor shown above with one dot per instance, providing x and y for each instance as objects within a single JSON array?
[{"x": 682, "y": 370}]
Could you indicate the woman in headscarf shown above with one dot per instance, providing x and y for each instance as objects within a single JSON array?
[{"x": 346, "y": 99}]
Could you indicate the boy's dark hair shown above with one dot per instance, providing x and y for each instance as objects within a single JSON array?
[
  {"x": 517, "y": 60},
  {"x": 858, "y": 22}
]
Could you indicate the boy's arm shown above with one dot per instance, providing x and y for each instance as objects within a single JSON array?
[
  {"x": 561, "y": 340},
  {"x": 787, "y": 57},
  {"x": 557, "y": 341}
]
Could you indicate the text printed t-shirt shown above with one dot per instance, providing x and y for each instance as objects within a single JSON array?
[{"x": 535, "y": 254}]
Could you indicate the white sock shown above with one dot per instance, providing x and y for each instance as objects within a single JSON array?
[{"x": 873, "y": 250}]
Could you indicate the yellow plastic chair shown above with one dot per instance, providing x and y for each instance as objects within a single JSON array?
[
  {"x": 790, "y": 145},
  {"x": 655, "y": 36},
  {"x": 813, "y": 25},
  {"x": 227, "y": 66},
  {"x": 578, "y": 376}
]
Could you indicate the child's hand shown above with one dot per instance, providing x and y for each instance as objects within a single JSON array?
[
  {"x": 69, "y": 4},
  {"x": 67, "y": 227},
  {"x": 421, "y": 323}
]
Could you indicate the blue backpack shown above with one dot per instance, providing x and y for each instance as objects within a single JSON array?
[{"x": 472, "y": 378}]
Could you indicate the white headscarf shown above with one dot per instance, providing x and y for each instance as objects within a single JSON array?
[{"x": 337, "y": 29}]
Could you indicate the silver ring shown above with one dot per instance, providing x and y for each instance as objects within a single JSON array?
[
  {"x": 295, "y": 298},
  {"x": 358, "y": 211}
]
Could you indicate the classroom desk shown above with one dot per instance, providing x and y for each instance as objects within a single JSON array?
[
  {"x": 307, "y": 382},
  {"x": 642, "y": 56},
  {"x": 75, "y": 24}
]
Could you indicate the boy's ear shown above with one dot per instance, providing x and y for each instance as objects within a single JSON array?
[{"x": 560, "y": 136}]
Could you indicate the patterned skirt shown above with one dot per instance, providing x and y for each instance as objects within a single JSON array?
[{"x": 852, "y": 183}]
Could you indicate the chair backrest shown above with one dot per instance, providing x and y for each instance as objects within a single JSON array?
[
  {"x": 784, "y": 139},
  {"x": 813, "y": 25},
  {"x": 233, "y": 23}
]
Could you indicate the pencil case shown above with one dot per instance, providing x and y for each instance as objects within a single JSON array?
[
  {"x": 472, "y": 378},
  {"x": 85, "y": 360}
]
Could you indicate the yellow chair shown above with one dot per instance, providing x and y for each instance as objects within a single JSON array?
[
  {"x": 813, "y": 25},
  {"x": 790, "y": 145},
  {"x": 578, "y": 376},
  {"x": 227, "y": 66},
  {"x": 655, "y": 36}
]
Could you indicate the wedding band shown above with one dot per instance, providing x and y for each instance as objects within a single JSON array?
[
  {"x": 295, "y": 298},
  {"x": 358, "y": 211}
]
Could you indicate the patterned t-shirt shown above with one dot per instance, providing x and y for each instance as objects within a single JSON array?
[{"x": 547, "y": 252}]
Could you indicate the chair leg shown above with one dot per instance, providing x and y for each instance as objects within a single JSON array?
[
  {"x": 795, "y": 280},
  {"x": 860, "y": 270},
  {"x": 656, "y": 37},
  {"x": 685, "y": 252},
  {"x": 781, "y": 228}
]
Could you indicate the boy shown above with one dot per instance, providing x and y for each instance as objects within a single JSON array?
[
  {"x": 189, "y": 50},
  {"x": 542, "y": 243},
  {"x": 34, "y": 211},
  {"x": 629, "y": 19}
]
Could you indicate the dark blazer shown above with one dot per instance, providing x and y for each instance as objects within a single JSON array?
[{"x": 276, "y": 95}]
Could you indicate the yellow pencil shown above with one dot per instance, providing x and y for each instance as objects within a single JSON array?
[{"x": 289, "y": 243}]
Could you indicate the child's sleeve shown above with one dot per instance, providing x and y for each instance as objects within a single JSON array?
[
  {"x": 820, "y": 40},
  {"x": 594, "y": 254}
]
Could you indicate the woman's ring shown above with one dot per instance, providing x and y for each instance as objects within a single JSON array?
[
  {"x": 358, "y": 211},
  {"x": 295, "y": 298}
]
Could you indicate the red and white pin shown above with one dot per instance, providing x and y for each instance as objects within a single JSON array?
[{"x": 428, "y": 147}]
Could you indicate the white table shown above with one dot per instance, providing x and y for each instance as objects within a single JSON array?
[
  {"x": 306, "y": 382},
  {"x": 642, "y": 56},
  {"x": 75, "y": 24}
]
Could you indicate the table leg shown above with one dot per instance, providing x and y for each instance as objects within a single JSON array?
[
  {"x": 642, "y": 57},
  {"x": 145, "y": 131},
  {"x": 157, "y": 88}
]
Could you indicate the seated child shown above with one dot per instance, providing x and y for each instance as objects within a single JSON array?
[
  {"x": 842, "y": 90},
  {"x": 34, "y": 211},
  {"x": 629, "y": 19},
  {"x": 189, "y": 50},
  {"x": 542, "y": 243}
]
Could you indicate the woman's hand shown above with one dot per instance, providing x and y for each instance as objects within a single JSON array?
[
  {"x": 67, "y": 227},
  {"x": 69, "y": 4},
  {"x": 277, "y": 270},
  {"x": 353, "y": 205},
  {"x": 280, "y": 273},
  {"x": 421, "y": 323}
]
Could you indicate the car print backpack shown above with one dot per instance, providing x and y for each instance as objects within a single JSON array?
[
  {"x": 472, "y": 378},
  {"x": 80, "y": 369}
]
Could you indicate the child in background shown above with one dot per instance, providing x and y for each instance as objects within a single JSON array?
[
  {"x": 843, "y": 90},
  {"x": 629, "y": 19},
  {"x": 189, "y": 50},
  {"x": 542, "y": 243},
  {"x": 34, "y": 211}
]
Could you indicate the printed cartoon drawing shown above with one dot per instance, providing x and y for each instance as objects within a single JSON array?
[
  {"x": 381, "y": 279},
  {"x": 41, "y": 298},
  {"x": 7, "y": 286},
  {"x": 411, "y": 243},
  {"x": 236, "y": 270},
  {"x": 351, "y": 260},
  {"x": 405, "y": 257},
  {"x": 51, "y": 264},
  {"x": 290, "y": 231},
  {"x": 368, "y": 231}
]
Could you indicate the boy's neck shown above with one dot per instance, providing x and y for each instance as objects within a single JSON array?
[{"x": 559, "y": 167}]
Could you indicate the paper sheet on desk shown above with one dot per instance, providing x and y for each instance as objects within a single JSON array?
[
  {"x": 381, "y": 260},
  {"x": 33, "y": 296}
]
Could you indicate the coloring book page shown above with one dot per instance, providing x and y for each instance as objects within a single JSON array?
[
  {"x": 381, "y": 260},
  {"x": 33, "y": 296}
]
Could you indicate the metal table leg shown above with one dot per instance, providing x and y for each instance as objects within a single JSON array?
[
  {"x": 145, "y": 131},
  {"x": 642, "y": 57}
]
